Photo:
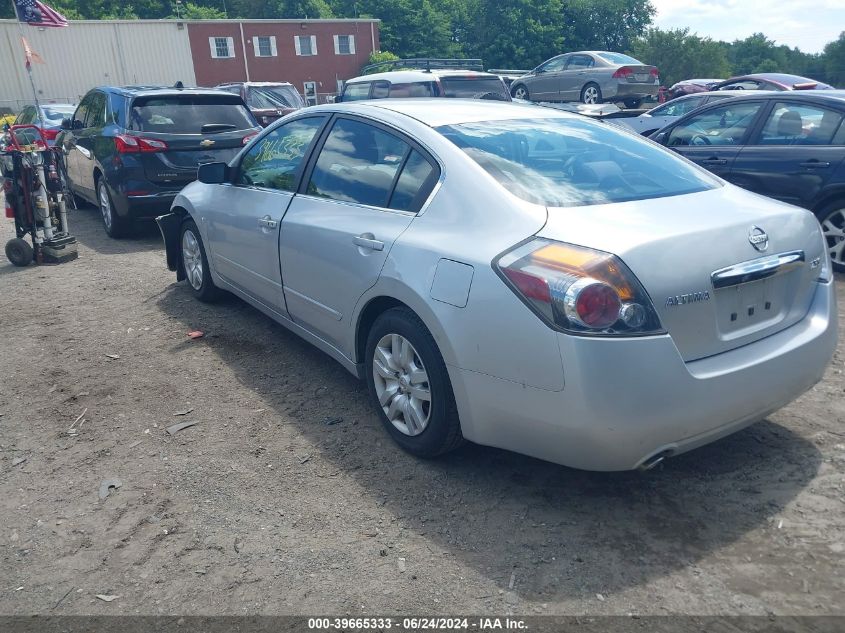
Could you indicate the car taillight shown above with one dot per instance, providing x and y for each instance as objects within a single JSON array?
[
  {"x": 10, "y": 212},
  {"x": 578, "y": 290},
  {"x": 623, "y": 72},
  {"x": 248, "y": 138},
  {"x": 654, "y": 73},
  {"x": 128, "y": 144}
]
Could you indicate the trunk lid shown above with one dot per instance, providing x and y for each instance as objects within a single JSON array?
[
  {"x": 674, "y": 245},
  {"x": 640, "y": 74},
  {"x": 197, "y": 129}
]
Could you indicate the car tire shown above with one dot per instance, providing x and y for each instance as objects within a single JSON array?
[
  {"x": 19, "y": 252},
  {"x": 591, "y": 93},
  {"x": 404, "y": 367},
  {"x": 633, "y": 103},
  {"x": 115, "y": 226},
  {"x": 832, "y": 219},
  {"x": 518, "y": 90},
  {"x": 194, "y": 262}
]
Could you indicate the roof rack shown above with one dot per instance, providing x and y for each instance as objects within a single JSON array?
[{"x": 424, "y": 63}]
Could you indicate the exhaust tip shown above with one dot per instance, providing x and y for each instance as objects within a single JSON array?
[{"x": 654, "y": 460}]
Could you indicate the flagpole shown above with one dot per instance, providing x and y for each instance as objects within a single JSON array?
[{"x": 28, "y": 65}]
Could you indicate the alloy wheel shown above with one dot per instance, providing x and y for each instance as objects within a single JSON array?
[
  {"x": 833, "y": 229},
  {"x": 591, "y": 94},
  {"x": 520, "y": 93},
  {"x": 192, "y": 259},
  {"x": 401, "y": 384},
  {"x": 105, "y": 205}
]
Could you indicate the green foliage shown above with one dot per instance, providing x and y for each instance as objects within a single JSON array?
[
  {"x": 610, "y": 25},
  {"x": 834, "y": 61},
  {"x": 678, "y": 55},
  {"x": 376, "y": 57},
  {"x": 191, "y": 11}
]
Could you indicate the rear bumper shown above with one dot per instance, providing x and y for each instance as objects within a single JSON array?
[
  {"x": 627, "y": 400},
  {"x": 143, "y": 206},
  {"x": 624, "y": 90}
]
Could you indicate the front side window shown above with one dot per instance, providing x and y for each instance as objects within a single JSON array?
[
  {"x": 474, "y": 88},
  {"x": 357, "y": 91},
  {"x": 358, "y": 163},
  {"x": 412, "y": 90},
  {"x": 798, "y": 124},
  {"x": 96, "y": 111},
  {"x": 678, "y": 107},
  {"x": 725, "y": 125},
  {"x": 553, "y": 65},
  {"x": 274, "y": 161},
  {"x": 563, "y": 162},
  {"x": 82, "y": 110},
  {"x": 381, "y": 90}
]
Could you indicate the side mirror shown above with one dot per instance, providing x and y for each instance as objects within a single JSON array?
[
  {"x": 660, "y": 137},
  {"x": 213, "y": 173},
  {"x": 77, "y": 124},
  {"x": 66, "y": 124}
]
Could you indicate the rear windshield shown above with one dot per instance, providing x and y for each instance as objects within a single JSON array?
[
  {"x": 188, "y": 114},
  {"x": 55, "y": 114},
  {"x": 573, "y": 161},
  {"x": 474, "y": 88},
  {"x": 619, "y": 58},
  {"x": 267, "y": 97}
]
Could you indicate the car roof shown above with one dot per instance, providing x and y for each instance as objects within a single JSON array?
[
  {"x": 152, "y": 91},
  {"x": 435, "y": 112},
  {"x": 416, "y": 76},
  {"x": 255, "y": 83}
]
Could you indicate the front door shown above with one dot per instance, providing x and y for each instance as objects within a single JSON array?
[
  {"x": 73, "y": 156},
  {"x": 242, "y": 219},
  {"x": 86, "y": 141},
  {"x": 545, "y": 85},
  {"x": 793, "y": 155},
  {"x": 714, "y": 137},
  {"x": 339, "y": 230}
]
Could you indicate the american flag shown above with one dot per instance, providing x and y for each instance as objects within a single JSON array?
[{"x": 37, "y": 13}]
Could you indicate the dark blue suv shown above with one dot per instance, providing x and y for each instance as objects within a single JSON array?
[{"x": 130, "y": 150}]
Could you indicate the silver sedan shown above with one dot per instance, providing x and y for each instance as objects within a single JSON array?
[{"x": 516, "y": 276}]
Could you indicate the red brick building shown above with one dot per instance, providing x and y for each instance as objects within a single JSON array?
[{"x": 313, "y": 55}]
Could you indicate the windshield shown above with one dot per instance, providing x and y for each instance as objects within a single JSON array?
[
  {"x": 271, "y": 97},
  {"x": 619, "y": 58},
  {"x": 55, "y": 113},
  {"x": 474, "y": 88},
  {"x": 188, "y": 114},
  {"x": 570, "y": 162}
]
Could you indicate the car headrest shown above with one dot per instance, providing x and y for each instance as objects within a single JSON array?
[{"x": 790, "y": 124}]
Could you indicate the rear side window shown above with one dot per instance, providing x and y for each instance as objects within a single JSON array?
[
  {"x": 358, "y": 163},
  {"x": 357, "y": 92},
  {"x": 273, "y": 162},
  {"x": 798, "y": 124},
  {"x": 562, "y": 162},
  {"x": 414, "y": 184},
  {"x": 577, "y": 62},
  {"x": 281, "y": 96},
  {"x": 474, "y": 88},
  {"x": 412, "y": 90},
  {"x": 187, "y": 114}
]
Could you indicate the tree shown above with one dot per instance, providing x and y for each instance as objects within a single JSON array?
[
  {"x": 610, "y": 25},
  {"x": 834, "y": 61},
  {"x": 191, "y": 11},
  {"x": 678, "y": 55}
]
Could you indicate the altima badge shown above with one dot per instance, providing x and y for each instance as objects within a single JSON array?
[
  {"x": 758, "y": 238},
  {"x": 207, "y": 142},
  {"x": 693, "y": 297}
]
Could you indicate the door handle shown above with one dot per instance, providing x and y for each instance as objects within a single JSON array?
[
  {"x": 366, "y": 240},
  {"x": 714, "y": 161},
  {"x": 815, "y": 164},
  {"x": 267, "y": 222}
]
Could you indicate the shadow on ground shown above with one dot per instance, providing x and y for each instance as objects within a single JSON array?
[
  {"x": 87, "y": 225},
  {"x": 504, "y": 513}
]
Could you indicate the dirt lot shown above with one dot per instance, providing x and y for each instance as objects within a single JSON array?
[{"x": 288, "y": 497}]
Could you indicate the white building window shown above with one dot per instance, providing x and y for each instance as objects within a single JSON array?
[
  {"x": 310, "y": 92},
  {"x": 222, "y": 47},
  {"x": 344, "y": 44},
  {"x": 264, "y": 46},
  {"x": 305, "y": 45}
]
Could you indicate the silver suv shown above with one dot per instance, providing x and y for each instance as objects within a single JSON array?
[{"x": 457, "y": 84}]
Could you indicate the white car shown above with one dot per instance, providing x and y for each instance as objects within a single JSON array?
[{"x": 666, "y": 113}]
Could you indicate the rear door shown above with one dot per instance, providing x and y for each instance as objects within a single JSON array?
[
  {"x": 574, "y": 76},
  {"x": 714, "y": 137},
  {"x": 365, "y": 185},
  {"x": 192, "y": 128},
  {"x": 242, "y": 219},
  {"x": 793, "y": 155}
]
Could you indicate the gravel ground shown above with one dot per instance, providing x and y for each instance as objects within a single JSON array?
[{"x": 287, "y": 497}]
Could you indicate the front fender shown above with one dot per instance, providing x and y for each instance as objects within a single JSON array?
[{"x": 170, "y": 224}]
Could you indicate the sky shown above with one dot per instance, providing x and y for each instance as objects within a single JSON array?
[{"x": 807, "y": 24}]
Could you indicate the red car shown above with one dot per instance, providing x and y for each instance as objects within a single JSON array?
[{"x": 771, "y": 81}]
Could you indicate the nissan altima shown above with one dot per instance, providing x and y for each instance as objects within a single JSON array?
[{"x": 516, "y": 276}]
